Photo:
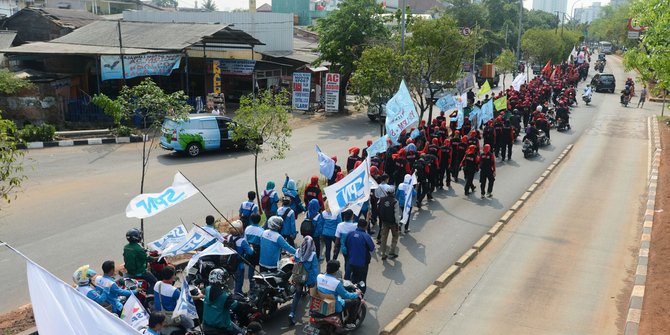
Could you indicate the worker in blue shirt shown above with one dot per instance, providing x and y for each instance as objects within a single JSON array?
[
  {"x": 210, "y": 227},
  {"x": 330, "y": 285},
  {"x": 253, "y": 234},
  {"x": 360, "y": 248},
  {"x": 110, "y": 288},
  {"x": 156, "y": 321},
  {"x": 290, "y": 190},
  {"x": 330, "y": 222},
  {"x": 307, "y": 256},
  {"x": 82, "y": 277},
  {"x": 288, "y": 231},
  {"x": 243, "y": 251},
  {"x": 247, "y": 208},
  {"x": 271, "y": 245}
]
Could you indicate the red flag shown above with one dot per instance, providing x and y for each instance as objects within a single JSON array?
[{"x": 547, "y": 68}]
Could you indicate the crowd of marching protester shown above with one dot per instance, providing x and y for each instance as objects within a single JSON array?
[{"x": 407, "y": 171}]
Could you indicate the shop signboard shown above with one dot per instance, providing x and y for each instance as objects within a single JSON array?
[
  {"x": 301, "y": 87},
  {"x": 216, "y": 77},
  {"x": 237, "y": 66},
  {"x": 138, "y": 65},
  {"x": 332, "y": 92}
]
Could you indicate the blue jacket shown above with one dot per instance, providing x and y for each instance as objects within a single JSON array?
[
  {"x": 112, "y": 291},
  {"x": 288, "y": 228},
  {"x": 242, "y": 248},
  {"x": 400, "y": 196},
  {"x": 246, "y": 209},
  {"x": 169, "y": 295},
  {"x": 253, "y": 234},
  {"x": 289, "y": 189},
  {"x": 359, "y": 246},
  {"x": 328, "y": 284},
  {"x": 96, "y": 294},
  {"x": 312, "y": 268},
  {"x": 330, "y": 223},
  {"x": 271, "y": 245},
  {"x": 313, "y": 209}
]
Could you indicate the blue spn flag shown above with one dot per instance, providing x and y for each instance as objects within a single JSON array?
[
  {"x": 476, "y": 117},
  {"x": 460, "y": 119},
  {"x": 185, "y": 306},
  {"x": 326, "y": 164},
  {"x": 400, "y": 113},
  {"x": 353, "y": 189},
  {"x": 446, "y": 103},
  {"x": 487, "y": 111},
  {"x": 380, "y": 145},
  {"x": 415, "y": 133}
]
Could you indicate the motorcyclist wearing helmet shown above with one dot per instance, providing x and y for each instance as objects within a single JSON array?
[
  {"x": 217, "y": 306},
  {"x": 108, "y": 285},
  {"x": 625, "y": 93},
  {"x": 83, "y": 277},
  {"x": 588, "y": 91},
  {"x": 271, "y": 245},
  {"x": 135, "y": 258},
  {"x": 532, "y": 135}
]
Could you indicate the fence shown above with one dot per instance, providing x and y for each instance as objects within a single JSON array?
[{"x": 82, "y": 110}]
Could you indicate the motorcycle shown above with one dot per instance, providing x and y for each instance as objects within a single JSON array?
[
  {"x": 563, "y": 125},
  {"x": 335, "y": 323},
  {"x": 625, "y": 99},
  {"x": 273, "y": 288},
  {"x": 244, "y": 317},
  {"x": 542, "y": 139},
  {"x": 528, "y": 149},
  {"x": 139, "y": 285},
  {"x": 586, "y": 99}
]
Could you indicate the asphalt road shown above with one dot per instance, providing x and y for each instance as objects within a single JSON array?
[
  {"x": 72, "y": 210},
  {"x": 565, "y": 263}
]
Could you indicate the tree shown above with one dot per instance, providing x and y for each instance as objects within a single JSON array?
[
  {"x": 209, "y": 5},
  {"x": 611, "y": 25},
  {"x": 430, "y": 62},
  {"x": 377, "y": 76},
  {"x": 152, "y": 105},
  {"x": 262, "y": 122},
  {"x": 345, "y": 33},
  {"x": 11, "y": 171},
  {"x": 505, "y": 63},
  {"x": 652, "y": 55},
  {"x": 541, "y": 45}
]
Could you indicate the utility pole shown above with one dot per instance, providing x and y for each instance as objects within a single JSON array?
[
  {"x": 123, "y": 65},
  {"x": 518, "y": 38},
  {"x": 402, "y": 28}
]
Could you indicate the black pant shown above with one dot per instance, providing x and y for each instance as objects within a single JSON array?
[
  {"x": 483, "y": 178},
  {"x": 360, "y": 274},
  {"x": 498, "y": 147},
  {"x": 423, "y": 189},
  {"x": 455, "y": 168},
  {"x": 444, "y": 173},
  {"x": 469, "y": 177},
  {"x": 506, "y": 148},
  {"x": 151, "y": 280},
  {"x": 290, "y": 240}
]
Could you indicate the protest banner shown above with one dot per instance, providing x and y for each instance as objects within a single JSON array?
[
  {"x": 352, "y": 189},
  {"x": 150, "y": 204},
  {"x": 400, "y": 113}
]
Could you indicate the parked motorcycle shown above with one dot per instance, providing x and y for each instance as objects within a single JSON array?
[
  {"x": 273, "y": 288},
  {"x": 339, "y": 323}
]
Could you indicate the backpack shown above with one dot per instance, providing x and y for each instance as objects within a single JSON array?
[
  {"x": 265, "y": 202},
  {"x": 232, "y": 261},
  {"x": 299, "y": 274},
  {"x": 307, "y": 227},
  {"x": 386, "y": 209}
]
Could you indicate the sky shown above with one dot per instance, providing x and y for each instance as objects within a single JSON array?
[{"x": 227, "y": 5}]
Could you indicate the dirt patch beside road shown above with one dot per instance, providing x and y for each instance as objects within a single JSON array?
[
  {"x": 656, "y": 307},
  {"x": 17, "y": 321}
]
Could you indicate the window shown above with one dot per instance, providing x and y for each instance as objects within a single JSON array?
[{"x": 209, "y": 124}]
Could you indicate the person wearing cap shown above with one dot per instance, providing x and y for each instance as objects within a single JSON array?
[
  {"x": 487, "y": 165},
  {"x": 470, "y": 165},
  {"x": 83, "y": 277},
  {"x": 353, "y": 158},
  {"x": 271, "y": 245},
  {"x": 333, "y": 179},
  {"x": 242, "y": 249},
  {"x": 288, "y": 230},
  {"x": 364, "y": 155}
]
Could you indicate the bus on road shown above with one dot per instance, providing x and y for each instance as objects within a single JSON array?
[{"x": 605, "y": 47}]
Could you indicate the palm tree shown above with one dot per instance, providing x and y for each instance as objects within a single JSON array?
[{"x": 209, "y": 5}]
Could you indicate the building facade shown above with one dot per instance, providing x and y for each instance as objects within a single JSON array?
[
  {"x": 587, "y": 14},
  {"x": 551, "y": 6}
]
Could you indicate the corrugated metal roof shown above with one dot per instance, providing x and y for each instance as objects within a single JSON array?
[
  {"x": 6, "y": 38},
  {"x": 72, "y": 49},
  {"x": 71, "y": 17},
  {"x": 159, "y": 36}
]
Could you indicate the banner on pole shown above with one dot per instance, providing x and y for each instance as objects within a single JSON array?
[
  {"x": 400, "y": 113},
  {"x": 214, "y": 249},
  {"x": 301, "y": 89},
  {"x": 138, "y": 65},
  {"x": 185, "y": 306},
  {"x": 326, "y": 164},
  {"x": 487, "y": 111},
  {"x": 379, "y": 145},
  {"x": 353, "y": 189},
  {"x": 332, "y": 92},
  {"x": 173, "y": 236},
  {"x": 197, "y": 238},
  {"x": 134, "y": 314},
  {"x": 500, "y": 103},
  {"x": 446, "y": 103},
  {"x": 150, "y": 204}
]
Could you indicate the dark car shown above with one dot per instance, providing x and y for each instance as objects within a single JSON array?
[
  {"x": 537, "y": 68},
  {"x": 603, "y": 82}
]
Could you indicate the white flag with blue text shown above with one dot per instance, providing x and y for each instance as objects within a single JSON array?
[
  {"x": 197, "y": 238},
  {"x": 185, "y": 306},
  {"x": 400, "y": 113},
  {"x": 475, "y": 117},
  {"x": 380, "y": 145},
  {"x": 134, "y": 313},
  {"x": 150, "y": 204},
  {"x": 460, "y": 118},
  {"x": 214, "y": 249},
  {"x": 487, "y": 111},
  {"x": 353, "y": 189},
  {"x": 326, "y": 164},
  {"x": 446, "y": 103},
  {"x": 173, "y": 236}
]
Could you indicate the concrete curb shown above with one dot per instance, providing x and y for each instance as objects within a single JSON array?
[
  {"x": 637, "y": 295},
  {"x": 69, "y": 143},
  {"x": 443, "y": 280}
]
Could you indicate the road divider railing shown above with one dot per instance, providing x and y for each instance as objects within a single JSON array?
[{"x": 404, "y": 317}]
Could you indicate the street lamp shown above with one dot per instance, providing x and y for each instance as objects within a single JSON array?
[{"x": 572, "y": 9}]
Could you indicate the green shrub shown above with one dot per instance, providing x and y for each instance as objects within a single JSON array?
[
  {"x": 122, "y": 131},
  {"x": 33, "y": 133}
]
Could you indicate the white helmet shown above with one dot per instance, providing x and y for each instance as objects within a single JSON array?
[
  {"x": 217, "y": 276},
  {"x": 83, "y": 275},
  {"x": 275, "y": 223},
  {"x": 237, "y": 228}
]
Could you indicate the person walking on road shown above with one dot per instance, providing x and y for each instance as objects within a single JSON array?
[
  {"x": 306, "y": 255},
  {"x": 487, "y": 173},
  {"x": 360, "y": 246},
  {"x": 406, "y": 189},
  {"x": 389, "y": 215},
  {"x": 343, "y": 229},
  {"x": 643, "y": 97},
  {"x": 247, "y": 208},
  {"x": 288, "y": 230},
  {"x": 470, "y": 166}
]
